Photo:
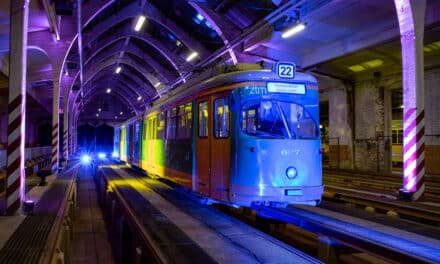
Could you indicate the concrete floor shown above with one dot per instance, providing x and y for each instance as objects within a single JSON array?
[{"x": 90, "y": 242}]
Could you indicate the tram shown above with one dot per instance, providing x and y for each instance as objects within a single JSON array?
[{"x": 241, "y": 137}]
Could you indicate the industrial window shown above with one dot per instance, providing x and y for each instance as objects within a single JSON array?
[
  {"x": 184, "y": 121},
  {"x": 397, "y": 136},
  {"x": 171, "y": 123},
  {"x": 161, "y": 126},
  {"x": 221, "y": 118},
  {"x": 203, "y": 119}
]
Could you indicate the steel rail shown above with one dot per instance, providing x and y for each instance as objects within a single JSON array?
[{"x": 340, "y": 231}]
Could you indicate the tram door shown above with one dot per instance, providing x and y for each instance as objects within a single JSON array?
[
  {"x": 213, "y": 146},
  {"x": 201, "y": 182}
]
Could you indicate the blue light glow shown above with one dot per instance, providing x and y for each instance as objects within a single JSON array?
[
  {"x": 199, "y": 17},
  {"x": 101, "y": 155},
  {"x": 291, "y": 172},
  {"x": 85, "y": 159},
  {"x": 115, "y": 155},
  {"x": 208, "y": 24}
]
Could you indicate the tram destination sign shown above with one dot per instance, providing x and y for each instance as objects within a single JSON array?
[
  {"x": 286, "y": 69},
  {"x": 280, "y": 87}
]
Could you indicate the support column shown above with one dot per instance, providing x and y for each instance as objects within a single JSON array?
[
  {"x": 55, "y": 126},
  {"x": 411, "y": 16},
  {"x": 69, "y": 134},
  {"x": 15, "y": 176},
  {"x": 65, "y": 126}
]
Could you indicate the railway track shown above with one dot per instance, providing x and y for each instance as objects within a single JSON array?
[
  {"x": 310, "y": 232},
  {"x": 388, "y": 184}
]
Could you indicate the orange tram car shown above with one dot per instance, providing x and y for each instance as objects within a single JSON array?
[{"x": 239, "y": 138}]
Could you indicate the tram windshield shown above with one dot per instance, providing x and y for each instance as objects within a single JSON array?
[{"x": 277, "y": 119}]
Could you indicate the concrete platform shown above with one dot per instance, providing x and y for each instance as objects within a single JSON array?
[
  {"x": 223, "y": 238},
  {"x": 90, "y": 242}
]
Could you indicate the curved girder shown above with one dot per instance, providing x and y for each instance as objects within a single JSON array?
[
  {"x": 174, "y": 59},
  {"x": 112, "y": 61},
  {"x": 131, "y": 103},
  {"x": 117, "y": 45},
  {"x": 101, "y": 77},
  {"x": 116, "y": 52},
  {"x": 124, "y": 82},
  {"x": 115, "y": 59},
  {"x": 133, "y": 10},
  {"x": 225, "y": 30}
]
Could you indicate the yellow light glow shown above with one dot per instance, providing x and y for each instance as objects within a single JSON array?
[
  {"x": 373, "y": 63},
  {"x": 192, "y": 56},
  {"x": 426, "y": 49},
  {"x": 140, "y": 23},
  {"x": 356, "y": 68}
]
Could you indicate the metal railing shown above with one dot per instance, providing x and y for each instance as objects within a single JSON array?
[
  {"x": 58, "y": 241},
  {"x": 29, "y": 153}
]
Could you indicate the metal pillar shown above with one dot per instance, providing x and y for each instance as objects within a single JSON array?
[
  {"x": 411, "y": 16},
  {"x": 66, "y": 125},
  {"x": 15, "y": 175},
  {"x": 55, "y": 127}
]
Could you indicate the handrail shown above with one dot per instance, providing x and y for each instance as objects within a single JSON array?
[{"x": 54, "y": 250}]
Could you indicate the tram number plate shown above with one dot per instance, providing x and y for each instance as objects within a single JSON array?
[{"x": 286, "y": 70}]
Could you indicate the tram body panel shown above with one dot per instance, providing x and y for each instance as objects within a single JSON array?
[{"x": 262, "y": 166}]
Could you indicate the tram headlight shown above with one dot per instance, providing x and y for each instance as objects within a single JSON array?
[{"x": 291, "y": 172}]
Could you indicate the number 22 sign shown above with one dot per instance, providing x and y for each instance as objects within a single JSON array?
[{"x": 285, "y": 69}]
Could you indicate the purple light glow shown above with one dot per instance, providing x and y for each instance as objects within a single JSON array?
[{"x": 410, "y": 15}]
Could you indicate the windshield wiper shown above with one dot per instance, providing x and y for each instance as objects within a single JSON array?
[{"x": 284, "y": 120}]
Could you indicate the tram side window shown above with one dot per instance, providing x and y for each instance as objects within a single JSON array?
[
  {"x": 151, "y": 130},
  {"x": 161, "y": 126},
  {"x": 171, "y": 123},
  {"x": 184, "y": 122},
  {"x": 221, "y": 118},
  {"x": 203, "y": 119},
  {"x": 144, "y": 129}
]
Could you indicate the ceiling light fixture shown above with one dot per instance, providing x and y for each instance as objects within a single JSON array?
[
  {"x": 118, "y": 70},
  {"x": 192, "y": 56},
  {"x": 139, "y": 98},
  {"x": 293, "y": 30},
  {"x": 157, "y": 84},
  {"x": 99, "y": 109},
  {"x": 121, "y": 113},
  {"x": 109, "y": 90},
  {"x": 140, "y": 23},
  {"x": 97, "y": 115}
]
